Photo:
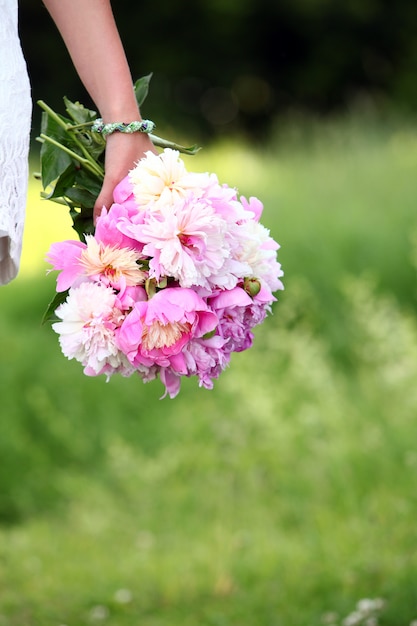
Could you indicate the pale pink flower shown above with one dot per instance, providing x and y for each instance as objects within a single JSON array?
[
  {"x": 185, "y": 241},
  {"x": 87, "y": 330},
  {"x": 224, "y": 201},
  {"x": 254, "y": 205},
  {"x": 111, "y": 265}
]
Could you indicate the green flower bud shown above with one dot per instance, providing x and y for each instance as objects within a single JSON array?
[
  {"x": 150, "y": 286},
  {"x": 252, "y": 286}
]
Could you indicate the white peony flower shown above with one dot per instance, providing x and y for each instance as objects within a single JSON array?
[
  {"x": 163, "y": 179},
  {"x": 258, "y": 250},
  {"x": 87, "y": 330}
]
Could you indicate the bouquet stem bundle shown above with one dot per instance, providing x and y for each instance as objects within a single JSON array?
[{"x": 72, "y": 157}]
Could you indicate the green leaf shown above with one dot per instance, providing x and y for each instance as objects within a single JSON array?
[
  {"x": 78, "y": 112},
  {"x": 62, "y": 201},
  {"x": 65, "y": 181},
  {"x": 85, "y": 179},
  {"x": 141, "y": 88},
  {"x": 81, "y": 197},
  {"x": 93, "y": 143},
  {"x": 59, "y": 298},
  {"x": 54, "y": 126},
  {"x": 53, "y": 161},
  {"x": 164, "y": 143},
  {"x": 82, "y": 223}
]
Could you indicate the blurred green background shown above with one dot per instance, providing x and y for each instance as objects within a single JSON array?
[{"x": 287, "y": 494}]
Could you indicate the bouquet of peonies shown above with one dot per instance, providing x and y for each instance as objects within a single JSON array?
[{"x": 176, "y": 275}]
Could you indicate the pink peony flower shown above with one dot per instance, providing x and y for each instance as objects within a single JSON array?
[
  {"x": 157, "y": 330},
  {"x": 111, "y": 265},
  {"x": 123, "y": 193},
  {"x": 127, "y": 297},
  {"x": 238, "y": 313},
  {"x": 206, "y": 358},
  {"x": 65, "y": 256},
  {"x": 172, "y": 382},
  {"x": 107, "y": 231},
  {"x": 203, "y": 357}
]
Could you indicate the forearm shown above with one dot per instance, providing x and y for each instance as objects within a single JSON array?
[{"x": 93, "y": 42}]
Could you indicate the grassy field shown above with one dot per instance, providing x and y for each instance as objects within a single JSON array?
[{"x": 288, "y": 493}]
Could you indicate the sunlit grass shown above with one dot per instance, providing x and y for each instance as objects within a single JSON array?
[{"x": 46, "y": 222}]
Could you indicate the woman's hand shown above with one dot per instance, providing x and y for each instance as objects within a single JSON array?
[{"x": 123, "y": 151}]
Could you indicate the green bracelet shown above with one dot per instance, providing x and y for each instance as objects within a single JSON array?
[{"x": 145, "y": 126}]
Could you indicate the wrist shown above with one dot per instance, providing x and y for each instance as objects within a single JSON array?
[
  {"x": 122, "y": 115},
  {"x": 124, "y": 111}
]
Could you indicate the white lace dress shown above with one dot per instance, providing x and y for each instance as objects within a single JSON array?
[{"x": 15, "y": 120}]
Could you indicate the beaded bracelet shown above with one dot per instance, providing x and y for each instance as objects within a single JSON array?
[{"x": 145, "y": 126}]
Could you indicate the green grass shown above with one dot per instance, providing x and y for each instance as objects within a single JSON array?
[{"x": 285, "y": 494}]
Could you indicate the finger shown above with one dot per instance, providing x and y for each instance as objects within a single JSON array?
[{"x": 104, "y": 200}]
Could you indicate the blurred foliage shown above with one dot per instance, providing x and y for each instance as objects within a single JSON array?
[
  {"x": 209, "y": 510},
  {"x": 287, "y": 493},
  {"x": 232, "y": 67}
]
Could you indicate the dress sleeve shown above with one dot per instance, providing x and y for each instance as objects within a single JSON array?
[{"x": 15, "y": 121}]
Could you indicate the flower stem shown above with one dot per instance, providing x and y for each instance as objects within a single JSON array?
[
  {"x": 52, "y": 114},
  {"x": 69, "y": 129},
  {"x": 164, "y": 143},
  {"x": 90, "y": 164}
]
